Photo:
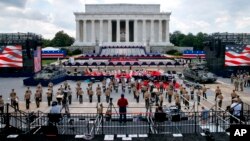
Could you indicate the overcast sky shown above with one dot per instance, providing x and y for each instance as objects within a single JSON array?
[{"x": 46, "y": 17}]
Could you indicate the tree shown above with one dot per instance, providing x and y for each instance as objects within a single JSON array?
[
  {"x": 176, "y": 37},
  {"x": 46, "y": 42},
  {"x": 62, "y": 39},
  {"x": 187, "y": 40},
  {"x": 198, "y": 42}
]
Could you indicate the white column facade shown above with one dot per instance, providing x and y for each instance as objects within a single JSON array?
[
  {"x": 109, "y": 31},
  {"x": 77, "y": 30},
  {"x": 135, "y": 30},
  {"x": 167, "y": 31},
  {"x": 101, "y": 31},
  {"x": 144, "y": 31},
  {"x": 93, "y": 31},
  {"x": 157, "y": 37},
  {"x": 152, "y": 39},
  {"x": 127, "y": 30},
  {"x": 118, "y": 31},
  {"x": 160, "y": 30},
  {"x": 84, "y": 31}
]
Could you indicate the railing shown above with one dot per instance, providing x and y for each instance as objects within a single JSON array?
[{"x": 137, "y": 123}]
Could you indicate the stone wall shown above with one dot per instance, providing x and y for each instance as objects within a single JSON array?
[
  {"x": 163, "y": 49},
  {"x": 160, "y": 49},
  {"x": 85, "y": 50}
]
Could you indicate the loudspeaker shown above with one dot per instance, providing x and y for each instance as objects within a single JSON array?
[
  {"x": 176, "y": 118},
  {"x": 218, "y": 48}
]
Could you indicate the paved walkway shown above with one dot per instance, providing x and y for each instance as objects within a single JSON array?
[{"x": 6, "y": 84}]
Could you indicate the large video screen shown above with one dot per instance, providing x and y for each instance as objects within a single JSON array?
[
  {"x": 37, "y": 60},
  {"x": 237, "y": 55},
  {"x": 11, "y": 56}
]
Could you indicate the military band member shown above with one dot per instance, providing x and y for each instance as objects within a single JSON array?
[
  {"x": 147, "y": 98},
  {"x": 91, "y": 93},
  {"x": 170, "y": 94},
  {"x": 161, "y": 99},
  {"x": 98, "y": 93},
  {"x": 177, "y": 101},
  {"x": 107, "y": 94},
  {"x": 186, "y": 102},
  {"x": 204, "y": 91},
  {"x": 199, "y": 94},
  {"x": 49, "y": 96},
  {"x": 232, "y": 78},
  {"x": 1, "y": 105},
  {"x": 241, "y": 83},
  {"x": 16, "y": 103},
  {"x": 80, "y": 93},
  {"x": 104, "y": 85},
  {"x": 236, "y": 84},
  {"x": 40, "y": 90},
  {"x": 27, "y": 96},
  {"x": 78, "y": 87},
  {"x": 50, "y": 86},
  {"x": 37, "y": 98},
  {"x": 220, "y": 98},
  {"x": 12, "y": 97},
  {"x": 217, "y": 92},
  {"x": 137, "y": 96},
  {"x": 69, "y": 95},
  {"x": 233, "y": 95}
]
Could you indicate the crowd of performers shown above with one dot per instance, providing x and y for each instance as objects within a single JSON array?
[
  {"x": 240, "y": 80},
  {"x": 151, "y": 91}
]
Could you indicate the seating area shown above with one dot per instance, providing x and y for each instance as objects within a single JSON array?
[
  {"x": 122, "y": 63},
  {"x": 122, "y": 51}
]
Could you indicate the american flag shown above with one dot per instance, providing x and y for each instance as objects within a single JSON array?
[
  {"x": 237, "y": 55},
  {"x": 37, "y": 60},
  {"x": 193, "y": 54},
  {"x": 11, "y": 56}
]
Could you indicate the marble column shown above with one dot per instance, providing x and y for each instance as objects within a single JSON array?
[
  {"x": 85, "y": 31},
  {"x": 135, "y": 30},
  {"x": 167, "y": 30},
  {"x": 152, "y": 31},
  {"x": 144, "y": 31},
  {"x": 160, "y": 31},
  {"x": 78, "y": 30},
  {"x": 93, "y": 31},
  {"x": 109, "y": 31},
  {"x": 118, "y": 31},
  {"x": 101, "y": 32},
  {"x": 127, "y": 30}
]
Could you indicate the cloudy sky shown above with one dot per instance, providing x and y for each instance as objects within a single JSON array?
[{"x": 46, "y": 17}]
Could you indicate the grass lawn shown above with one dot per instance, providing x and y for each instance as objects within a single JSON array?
[{"x": 48, "y": 61}]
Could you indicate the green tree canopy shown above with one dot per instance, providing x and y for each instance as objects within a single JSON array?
[
  {"x": 61, "y": 39},
  {"x": 46, "y": 42},
  {"x": 189, "y": 40}
]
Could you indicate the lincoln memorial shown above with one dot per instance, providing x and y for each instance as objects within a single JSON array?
[{"x": 122, "y": 25}]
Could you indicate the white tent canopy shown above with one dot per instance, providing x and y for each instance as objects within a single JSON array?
[{"x": 50, "y": 49}]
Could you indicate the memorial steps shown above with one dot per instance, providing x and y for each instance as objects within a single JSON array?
[{"x": 122, "y": 51}]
